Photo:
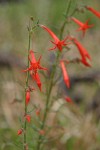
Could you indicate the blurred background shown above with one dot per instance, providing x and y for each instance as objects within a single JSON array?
[{"x": 80, "y": 122}]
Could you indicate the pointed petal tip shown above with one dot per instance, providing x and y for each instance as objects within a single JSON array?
[
  {"x": 84, "y": 62},
  {"x": 50, "y": 49}
]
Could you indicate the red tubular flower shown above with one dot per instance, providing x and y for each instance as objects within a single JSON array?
[
  {"x": 65, "y": 74},
  {"x": 34, "y": 65},
  {"x": 83, "y": 26},
  {"x": 68, "y": 99},
  {"x": 28, "y": 118},
  {"x": 37, "y": 79},
  {"x": 33, "y": 68},
  {"x": 19, "y": 132},
  {"x": 58, "y": 43},
  {"x": 83, "y": 52},
  {"x": 27, "y": 96},
  {"x": 81, "y": 49},
  {"x": 93, "y": 11}
]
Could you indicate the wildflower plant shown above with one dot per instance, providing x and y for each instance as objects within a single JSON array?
[{"x": 35, "y": 67}]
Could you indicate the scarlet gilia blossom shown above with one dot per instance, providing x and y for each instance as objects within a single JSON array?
[
  {"x": 83, "y": 26},
  {"x": 84, "y": 54},
  {"x": 57, "y": 43},
  {"x": 19, "y": 132},
  {"x": 68, "y": 99},
  {"x": 65, "y": 74},
  {"x": 34, "y": 65},
  {"x": 33, "y": 69},
  {"x": 95, "y": 12},
  {"x": 28, "y": 118}
]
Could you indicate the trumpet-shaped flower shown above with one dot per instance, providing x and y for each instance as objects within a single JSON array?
[
  {"x": 95, "y": 12},
  {"x": 57, "y": 43},
  {"x": 34, "y": 65},
  {"x": 83, "y": 52},
  {"x": 65, "y": 74},
  {"x": 33, "y": 69},
  {"x": 83, "y": 26}
]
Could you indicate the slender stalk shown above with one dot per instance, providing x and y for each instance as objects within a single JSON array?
[
  {"x": 65, "y": 22},
  {"x": 50, "y": 87},
  {"x": 52, "y": 81},
  {"x": 48, "y": 98},
  {"x": 26, "y": 86},
  {"x": 68, "y": 8}
]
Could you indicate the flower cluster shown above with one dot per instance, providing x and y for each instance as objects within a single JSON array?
[
  {"x": 61, "y": 43},
  {"x": 35, "y": 65},
  {"x": 33, "y": 69}
]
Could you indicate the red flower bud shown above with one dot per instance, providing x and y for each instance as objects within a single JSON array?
[
  {"x": 68, "y": 99},
  {"x": 65, "y": 74},
  {"x": 95, "y": 12},
  {"x": 28, "y": 118},
  {"x": 27, "y": 97},
  {"x": 19, "y": 132}
]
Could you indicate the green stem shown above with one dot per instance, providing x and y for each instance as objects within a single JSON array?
[
  {"x": 26, "y": 86},
  {"x": 48, "y": 99},
  {"x": 65, "y": 22},
  {"x": 68, "y": 8},
  {"x": 52, "y": 81},
  {"x": 51, "y": 87}
]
